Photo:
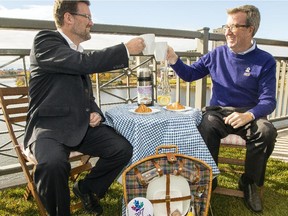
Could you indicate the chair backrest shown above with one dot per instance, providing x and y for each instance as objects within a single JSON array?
[{"x": 14, "y": 104}]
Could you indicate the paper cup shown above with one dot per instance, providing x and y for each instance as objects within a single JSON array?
[
  {"x": 160, "y": 51},
  {"x": 149, "y": 40}
]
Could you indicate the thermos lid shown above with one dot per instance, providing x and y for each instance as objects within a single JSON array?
[{"x": 143, "y": 72}]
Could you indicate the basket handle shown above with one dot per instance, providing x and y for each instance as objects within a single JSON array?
[{"x": 175, "y": 147}]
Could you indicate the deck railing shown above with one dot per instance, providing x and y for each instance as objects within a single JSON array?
[{"x": 203, "y": 39}]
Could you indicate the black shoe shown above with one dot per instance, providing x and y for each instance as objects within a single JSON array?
[
  {"x": 89, "y": 201},
  {"x": 251, "y": 196}
]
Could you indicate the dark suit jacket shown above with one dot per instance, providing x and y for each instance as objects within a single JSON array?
[{"x": 61, "y": 97}]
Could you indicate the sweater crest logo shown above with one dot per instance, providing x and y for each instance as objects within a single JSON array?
[{"x": 247, "y": 71}]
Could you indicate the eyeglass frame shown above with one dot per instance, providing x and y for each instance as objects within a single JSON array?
[
  {"x": 83, "y": 15},
  {"x": 233, "y": 27}
]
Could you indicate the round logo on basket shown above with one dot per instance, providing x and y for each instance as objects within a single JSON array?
[{"x": 139, "y": 206}]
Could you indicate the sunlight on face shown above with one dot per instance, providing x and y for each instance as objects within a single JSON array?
[
  {"x": 238, "y": 39},
  {"x": 82, "y": 24}
]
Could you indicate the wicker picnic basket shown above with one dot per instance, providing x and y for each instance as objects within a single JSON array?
[{"x": 169, "y": 165}]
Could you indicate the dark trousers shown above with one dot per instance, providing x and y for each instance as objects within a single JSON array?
[
  {"x": 260, "y": 136},
  {"x": 53, "y": 168}
]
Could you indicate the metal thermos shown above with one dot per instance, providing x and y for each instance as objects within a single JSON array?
[{"x": 145, "y": 86}]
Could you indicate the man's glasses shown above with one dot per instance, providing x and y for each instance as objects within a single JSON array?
[
  {"x": 83, "y": 15},
  {"x": 233, "y": 27}
]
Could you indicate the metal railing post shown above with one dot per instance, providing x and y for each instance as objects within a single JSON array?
[{"x": 201, "y": 85}]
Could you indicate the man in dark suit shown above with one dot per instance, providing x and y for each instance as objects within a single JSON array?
[{"x": 63, "y": 115}]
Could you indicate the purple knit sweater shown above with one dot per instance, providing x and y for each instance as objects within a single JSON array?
[{"x": 238, "y": 80}]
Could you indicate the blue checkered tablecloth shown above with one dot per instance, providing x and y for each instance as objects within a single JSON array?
[{"x": 146, "y": 132}]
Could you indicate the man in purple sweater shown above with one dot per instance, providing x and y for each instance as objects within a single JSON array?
[{"x": 243, "y": 94}]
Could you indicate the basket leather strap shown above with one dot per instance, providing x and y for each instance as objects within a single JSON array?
[
  {"x": 140, "y": 177},
  {"x": 171, "y": 158},
  {"x": 180, "y": 168},
  {"x": 197, "y": 178},
  {"x": 168, "y": 194},
  {"x": 158, "y": 167},
  {"x": 174, "y": 199}
]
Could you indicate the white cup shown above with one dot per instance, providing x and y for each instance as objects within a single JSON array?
[
  {"x": 149, "y": 40},
  {"x": 160, "y": 51}
]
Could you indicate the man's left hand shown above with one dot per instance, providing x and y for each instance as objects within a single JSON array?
[{"x": 95, "y": 119}]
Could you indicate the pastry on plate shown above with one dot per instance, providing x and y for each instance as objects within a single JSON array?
[
  {"x": 175, "y": 106},
  {"x": 142, "y": 108}
]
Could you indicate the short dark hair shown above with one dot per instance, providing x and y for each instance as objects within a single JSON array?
[
  {"x": 253, "y": 15},
  {"x": 63, "y": 6}
]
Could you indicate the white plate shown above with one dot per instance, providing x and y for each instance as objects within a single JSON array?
[
  {"x": 179, "y": 110},
  {"x": 179, "y": 187},
  {"x": 147, "y": 113}
]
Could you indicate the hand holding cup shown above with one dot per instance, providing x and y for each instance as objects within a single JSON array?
[{"x": 135, "y": 45}]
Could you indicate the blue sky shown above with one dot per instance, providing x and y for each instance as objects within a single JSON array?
[
  {"x": 189, "y": 14},
  {"x": 172, "y": 14}
]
